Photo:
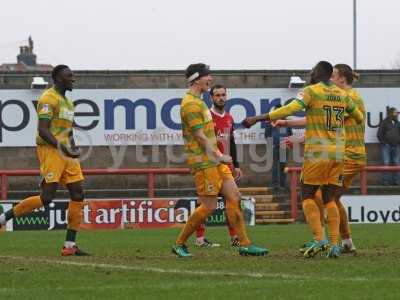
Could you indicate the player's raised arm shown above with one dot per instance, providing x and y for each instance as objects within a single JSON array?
[
  {"x": 295, "y": 123},
  {"x": 282, "y": 112}
]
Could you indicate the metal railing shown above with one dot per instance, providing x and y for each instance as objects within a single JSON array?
[{"x": 151, "y": 176}]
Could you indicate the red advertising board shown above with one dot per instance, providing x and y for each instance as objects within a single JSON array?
[
  {"x": 122, "y": 213},
  {"x": 154, "y": 213}
]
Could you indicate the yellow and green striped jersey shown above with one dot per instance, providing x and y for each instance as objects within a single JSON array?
[
  {"x": 355, "y": 133},
  {"x": 195, "y": 114},
  {"x": 325, "y": 105},
  {"x": 59, "y": 110}
]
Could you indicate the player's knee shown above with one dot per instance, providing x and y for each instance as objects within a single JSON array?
[
  {"x": 237, "y": 195},
  {"x": 208, "y": 202},
  {"x": 339, "y": 193},
  {"x": 47, "y": 197},
  {"x": 327, "y": 200},
  {"x": 308, "y": 191},
  {"x": 77, "y": 195},
  {"x": 211, "y": 206},
  {"x": 332, "y": 193},
  {"x": 233, "y": 195},
  {"x": 232, "y": 205},
  {"x": 76, "y": 192}
]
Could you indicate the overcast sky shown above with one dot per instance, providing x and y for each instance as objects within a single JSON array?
[{"x": 227, "y": 34}]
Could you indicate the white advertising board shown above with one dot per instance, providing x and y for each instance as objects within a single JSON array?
[
  {"x": 372, "y": 209},
  {"x": 151, "y": 116}
]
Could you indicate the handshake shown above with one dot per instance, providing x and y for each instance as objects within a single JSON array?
[{"x": 250, "y": 121}]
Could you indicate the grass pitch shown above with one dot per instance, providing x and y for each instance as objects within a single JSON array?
[{"x": 138, "y": 264}]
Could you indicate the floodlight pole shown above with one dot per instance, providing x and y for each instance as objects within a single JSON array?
[{"x": 354, "y": 34}]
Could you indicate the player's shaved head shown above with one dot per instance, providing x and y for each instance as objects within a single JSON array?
[
  {"x": 57, "y": 70},
  {"x": 321, "y": 72},
  {"x": 63, "y": 78}
]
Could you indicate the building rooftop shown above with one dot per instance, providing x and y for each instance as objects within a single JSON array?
[{"x": 26, "y": 60}]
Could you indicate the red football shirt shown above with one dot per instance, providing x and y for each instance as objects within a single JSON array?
[{"x": 223, "y": 126}]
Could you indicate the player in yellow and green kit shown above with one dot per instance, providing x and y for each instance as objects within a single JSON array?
[
  {"x": 355, "y": 154},
  {"x": 209, "y": 167},
  {"x": 325, "y": 105},
  {"x": 57, "y": 154}
]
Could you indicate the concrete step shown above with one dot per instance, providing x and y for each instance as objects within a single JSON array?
[
  {"x": 269, "y": 212},
  {"x": 281, "y": 197},
  {"x": 263, "y": 198},
  {"x": 275, "y": 221},
  {"x": 267, "y": 206},
  {"x": 285, "y": 205},
  {"x": 249, "y": 191},
  {"x": 279, "y": 214}
]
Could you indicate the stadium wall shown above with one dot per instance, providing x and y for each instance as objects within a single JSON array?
[{"x": 25, "y": 157}]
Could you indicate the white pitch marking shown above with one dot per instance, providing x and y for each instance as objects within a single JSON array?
[
  {"x": 283, "y": 276},
  {"x": 156, "y": 270}
]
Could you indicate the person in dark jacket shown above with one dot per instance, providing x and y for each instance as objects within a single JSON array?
[
  {"x": 279, "y": 156},
  {"x": 389, "y": 137}
]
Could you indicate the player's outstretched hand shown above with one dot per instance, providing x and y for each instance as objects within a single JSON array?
[
  {"x": 70, "y": 152},
  {"x": 248, "y": 122},
  {"x": 278, "y": 123}
]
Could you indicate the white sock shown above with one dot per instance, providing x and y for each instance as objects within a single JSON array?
[
  {"x": 347, "y": 242},
  {"x": 69, "y": 244},
  {"x": 3, "y": 219},
  {"x": 200, "y": 239}
]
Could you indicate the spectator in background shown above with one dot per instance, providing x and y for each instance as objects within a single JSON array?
[
  {"x": 279, "y": 156},
  {"x": 389, "y": 137}
]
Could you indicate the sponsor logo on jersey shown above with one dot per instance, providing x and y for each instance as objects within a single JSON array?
[
  {"x": 45, "y": 109},
  {"x": 300, "y": 95},
  {"x": 66, "y": 114}
]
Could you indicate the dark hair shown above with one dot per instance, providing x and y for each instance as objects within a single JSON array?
[
  {"x": 324, "y": 70},
  {"x": 56, "y": 70},
  {"x": 347, "y": 72},
  {"x": 391, "y": 110},
  {"x": 200, "y": 68},
  {"x": 215, "y": 87}
]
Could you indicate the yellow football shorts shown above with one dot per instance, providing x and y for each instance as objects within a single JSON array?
[
  {"x": 209, "y": 181},
  {"x": 322, "y": 172},
  {"x": 54, "y": 167},
  {"x": 350, "y": 170}
]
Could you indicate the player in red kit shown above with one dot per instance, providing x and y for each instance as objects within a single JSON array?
[{"x": 224, "y": 127}]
